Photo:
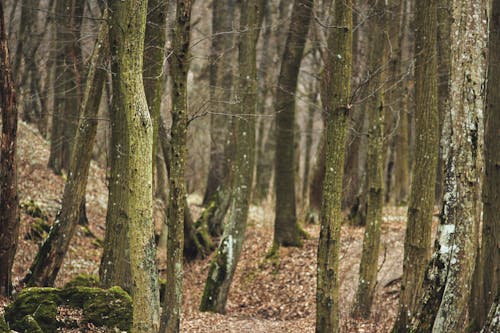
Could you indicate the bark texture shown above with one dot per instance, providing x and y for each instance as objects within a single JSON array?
[
  {"x": 286, "y": 229},
  {"x": 50, "y": 256},
  {"x": 179, "y": 66},
  {"x": 224, "y": 263},
  {"x": 417, "y": 246},
  {"x": 336, "y": 97},
  {"x": 448, "y": 277},
  {"x": 133, "y": 147},
  {"x": 375, "y": 164},
  {"x": 9, "y": 199},
  {"x": 490, "y": 247}
]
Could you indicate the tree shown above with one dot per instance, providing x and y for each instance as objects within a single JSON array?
[
  {"x": 132, "y": 144},
  {"x": 335, "y": 94},
  {"x": 179, "y": 65},
  {"x": 375, "y": 164},
  {"x": 421, "y": 206},
  {"x": 68, "y": 17},
  {"x": 49, "y": 259},
  {"x": 286, "y": 228},
  {"x": 490, "y": 255},
  {"x": 448, "y": 276},
  {"x": 224, "y": 263},
  {"x": 9, "y": 200}
]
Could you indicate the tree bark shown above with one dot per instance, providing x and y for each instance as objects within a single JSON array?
[
  {"x": 132, "y": 139},
  {"x": 448, "y": 277},
  {"x": 490, "y": 247},
  {"x": 224, "y": 263},
  {"x": 417, "y": 246},
  {"x": 336, "y": 98},
  {"x": 9, "y": 199},
  {"x": 286, "y": 228},
  {"x": 50, "y": 256},
  {"x": 375, "y": 165},
  {"x": 179, "y": 66}
]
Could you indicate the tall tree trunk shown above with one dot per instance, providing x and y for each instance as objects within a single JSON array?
[
  {"x": 375, "y": 164},
  {"x": 134, "y": 147},
  {"x": 421, "y": 207},
  {"x": 179, "y": 65},
  {"x": 490, "y": 247},
  {"x": 221, "y": 79},
  {"x": 50, "y": 256},
  {"x": 9, "y": 200},
  {"x": 224, "y": 263},
  {"x": 286, "y": 228},
  {"x": 336, "y": 97},
  {"x": 449, "y": 274},
  {"x": 69, "y": 14}
]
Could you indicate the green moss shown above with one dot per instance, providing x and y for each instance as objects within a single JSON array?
[
  {"x": 32, "y": 209},
  {"x": 41, "y": 303},
  {"x": 4, "y": 328},
  {"x": 111, "y": 308},
  {"x": 39, "y": 230},
  {"x": 29, "y": 325},
  {"x": 83, "y": 280}
]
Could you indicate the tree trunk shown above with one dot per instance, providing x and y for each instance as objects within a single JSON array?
[
  {"x": 68, "y": 86},
  {"x": 336, "y": 97},
  {"x": 9, "y": 200},
  {"x": 179, "y": 65},
  {"x": 50, "y": 256},
  {"x": 448, "y": 277},
  {"x": 224, "y": 263},
  {"x": 490, "y": 247},
  {"x": 421, "y": 207},
  {"x": 375, "y": 165},
  {"x": 221, "y": 79},
  {"x": 286, "y": 228},
  {"x": 133, "y": 145}
]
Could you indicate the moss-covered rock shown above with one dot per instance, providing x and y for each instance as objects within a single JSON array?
[
  {"x": 41, "y": 303},
  {"x": 83, "y": 280},
  {"x": 111, "y": 308},
  {"x": 29, "y": 325}
]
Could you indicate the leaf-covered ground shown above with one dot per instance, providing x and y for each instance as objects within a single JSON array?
[{"x": 266, "y": 296}]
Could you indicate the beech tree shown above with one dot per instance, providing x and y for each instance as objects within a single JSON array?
[
  {"x": 287, "y": 231},
  {"x": 9, "y": 200},
  {"x": 335, "y": 94},
  {"x": 179, "y": 64},
  {"x": 421, "y": 205},
  {"x": 375, "y": 164},
  {"x": 448, "y": 277},
  {"x": 49, "y": 259},
  {"x": 132, "y": 143},
  {"x": 226, "y": 258}
]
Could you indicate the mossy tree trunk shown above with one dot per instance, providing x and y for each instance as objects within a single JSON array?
[
  {"x": 417, "y": 245},
  {"x": 335, "y": 94},
  {"x": 224, "y": 263},
  {"x": 179, "y": 67},
  {"x": 50, "y": 256},
  {"x": 221, "y": 79},
  {"x": 490, "y": 245},
  {"x": 133, "y": 146},
  {"x": 9, "y": 199},
  {"x": 375, "y": 163},
  {"x": 286, "y": 228},
  {"x": 448, "y": 277}
]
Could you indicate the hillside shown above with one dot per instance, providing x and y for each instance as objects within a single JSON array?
[{"x": 266, "y": 296}]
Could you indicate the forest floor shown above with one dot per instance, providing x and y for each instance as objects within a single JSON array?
[{"x": 266, "y": 295}]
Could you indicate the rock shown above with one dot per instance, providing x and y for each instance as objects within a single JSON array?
[{"x": 83, "y": 280}]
